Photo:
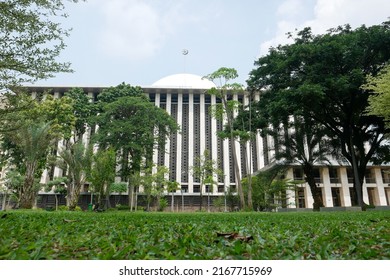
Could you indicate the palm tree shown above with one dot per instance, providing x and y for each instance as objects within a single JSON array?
[
  {"x": 33, "y": 141},
  {"x": 77, "y": 159}
]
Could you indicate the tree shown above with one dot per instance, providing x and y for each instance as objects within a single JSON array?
[
  {"x": 172, "y": 187},
  {"x": 267, "y": 187},
  {"x": 77, "y": 159},
  {"x": 102, "y": 175},
  {"x": 57, "y": 185},
  {"x": 29, "y": 134},
  {"x": 84, "y": 110},
  {"x": 132, "y": 126},
  {"x": 12, "y": 185},
  {"x": 31, "y": 142},
  {"x": 297, "y": 140},
  {"x": 379, "y": 102},
  {"x": 321, "y": 75},
  {"x": 205, "y": 169},
  {"x": 226, "y": 110},
  {"x": 32, "y": 39}
]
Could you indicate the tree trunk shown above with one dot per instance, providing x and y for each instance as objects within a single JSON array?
[
  {"x": 315, "y": 190},
  {"x": 73, "y": 196},
  {"x": 27, "y": 194},
  {"x": 358, "y": 177},
  {"x": 230, "y": 118}
]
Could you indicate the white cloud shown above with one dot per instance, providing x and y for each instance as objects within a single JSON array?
[
  {"x": 138, "y": 29},
  {"x": 326, "y": 14},
  {"x": 131, "y": 29}
]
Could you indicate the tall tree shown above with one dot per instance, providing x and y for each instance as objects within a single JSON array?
[
  {"x": 77, "y": 159},
  {"x": 227, "y": 110},
  {"x": 29, "y": 134},
  {"x": 83, "y": 109},
  {"x": 132, "y": 126},
  {"x": 32, "y": 142},
  {"x": 31, "y": 39},
  {"x": 102, "y": 175},
  {"x": 321, "y": 75}
]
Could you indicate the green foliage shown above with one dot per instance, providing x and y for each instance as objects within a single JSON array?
[
  {"x": 77, "y": 159},
  {"x": 319, "y": 78},
  {"x": 32, "y": 39},
  {"x": 379, "y": 103},
  {"x": 226, "y": 110},
  {"x": 169, "y": 236},
  {"x": 268, "y": 189},
  {"x": 205, "y": 169},
  {"x": 163, "y": 203},
  {"x": 102, "y": 174},
  {"x": 83, "y": 110},
  {"x": 132, "y": 126},
  {"x": 219, "y": 203},
  {"x": 118, "y": 187}
]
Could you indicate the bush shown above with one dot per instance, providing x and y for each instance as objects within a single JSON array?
[{"x": 163, "y": 204}]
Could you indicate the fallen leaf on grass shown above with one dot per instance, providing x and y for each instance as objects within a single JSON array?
[
  {"x": 70, "y": 221},
  {"x": 234, "y": 236}
]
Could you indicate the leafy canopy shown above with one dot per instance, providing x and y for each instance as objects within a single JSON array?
[{"x": 31, "y": 39}]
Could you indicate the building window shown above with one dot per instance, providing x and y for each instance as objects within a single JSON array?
[
  {"x": 184, "y": 189},
  {"x": 317, "y": 175},
  {"x": 336, "y": 197},
  {"x": 334, "y": 176},
  {"x": 300, "y": 196},
  {"x": 370, "y": 177},
  {"x": 385, "y": 176},
  {"x": 298, "y": 174},
  {"x": 197, "y": 189},
  {"x": 221, "y": 189},
  {"x": 350, "y": 176},
  {"x": 353, "y": 195}
]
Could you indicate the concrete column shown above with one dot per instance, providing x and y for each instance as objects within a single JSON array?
[
  {"x": 226, "y": 161},
  {"x": 237, "y": 144},
  {"x": 179, "y": 137},
  {"x": 155, "y": 153},
  {"x": 327, "y": 190},
  {"x": 259, "y": 143},
  {"x": 380, "y": 186},
  {"x": 168, "y": 140},
  {"x": 190, "y": 139},
  {"x": 291, "y": 199},
  {"x": 202, "y": 125},
  {"x": 345, "y": 194},
  {"x": 214, "y": 141},
  {"x": 308, "y": 196}
]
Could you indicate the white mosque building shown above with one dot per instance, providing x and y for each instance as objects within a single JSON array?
[{"x": 185, "y": 98}]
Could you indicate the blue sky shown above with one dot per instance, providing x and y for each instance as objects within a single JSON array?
[{"x": 141, "y": 41}]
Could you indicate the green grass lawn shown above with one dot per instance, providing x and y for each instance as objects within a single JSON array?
[{"x": 124, "y": 235}]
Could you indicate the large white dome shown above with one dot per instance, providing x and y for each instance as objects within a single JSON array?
[{"x": 184, "y": 81}]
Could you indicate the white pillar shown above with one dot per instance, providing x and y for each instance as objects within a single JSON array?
[
  {"x": 190, "y": 140},
  {"x": 308, "y": 196},
  {"x": 214, "y": 141},
  {"x": 179, "y": 137},
  {"x": 237, "y": 144},
  {"x": 345, "y": 196},
  {"x": 328, "y": 200},
  {"x": 291, "y": 199},
  {"x": 168, "y": 140},
  {"x": 155, "y": 152},
  {"x": 380, "y": 186},
  {"x": 202, "y": 123},
  {"x": 259, "y": 143}
]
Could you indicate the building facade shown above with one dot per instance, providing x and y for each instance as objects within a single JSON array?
[{"x": 185, "y": 98}]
